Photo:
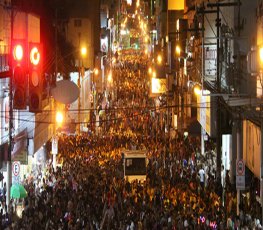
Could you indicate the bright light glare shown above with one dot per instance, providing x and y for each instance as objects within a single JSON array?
[
  {"x": 261, "y": 54},
  {"x": 159, "y": 59},
  {"x": 83, "y": 51},
  {"x": 197, "y": 90},
  {"x": 59, "y": 117},
  {"x": 150, "y": 70},
  {"x": 34, "y": 56},
  {"x": 96, "y": 71},
  {"x": 177, "y": 50},
  {"x": 18, "y": 52},
  {"x": 153, "y": 74},
  {"x": 110, "y": 77}
]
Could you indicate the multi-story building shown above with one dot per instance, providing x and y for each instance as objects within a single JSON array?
[
  {"x": 31, "y": 131},
  {"x": 222, "y": 39}
]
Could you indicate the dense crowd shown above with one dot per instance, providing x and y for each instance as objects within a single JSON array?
[{"x": 88, "y": 190}]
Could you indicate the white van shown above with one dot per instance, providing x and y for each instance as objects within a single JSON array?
[{"x": 134, "y": 164}]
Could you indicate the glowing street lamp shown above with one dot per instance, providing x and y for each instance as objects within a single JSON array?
[
  {"x": 110, "y": 77},
  {"x": 159, "y": 59},
  {"x": 59, "y": 118},
  {"x": 83, "y": 51},
  {"x": 150, "y": 70},
  {"x": 153, "y": 74},
  {"x": 197, "y": 89},
  {"x": 178, "y": 50}
]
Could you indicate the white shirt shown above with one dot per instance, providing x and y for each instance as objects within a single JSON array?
[{"x": 202, "y": 175}]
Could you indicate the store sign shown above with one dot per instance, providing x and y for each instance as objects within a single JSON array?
[{"x": 16, "y": 172}]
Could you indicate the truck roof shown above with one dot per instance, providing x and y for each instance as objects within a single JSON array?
[{"x": 134, "y": 153}]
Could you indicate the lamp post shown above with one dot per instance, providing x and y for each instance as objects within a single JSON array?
[
  {"x": 94, "y": 72},
  {"x": 83, "y": 53}
]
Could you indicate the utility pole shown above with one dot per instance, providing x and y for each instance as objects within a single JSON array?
[
  {"x": 10, "y": 147},
  {"x": 218, "y": 111},
  {"x": 79, "y": 103},
  {"x": 54, "y": 162}
]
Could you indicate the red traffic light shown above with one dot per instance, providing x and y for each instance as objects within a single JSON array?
[
  {"x": 34, "y": 55},
  {"x": 35, "y": 77},
  {"x": 19, "y": 73},
  {"x": 18, "y": 52}
]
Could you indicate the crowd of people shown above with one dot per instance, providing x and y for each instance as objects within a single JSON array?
[{"x": 88, "y": 190}]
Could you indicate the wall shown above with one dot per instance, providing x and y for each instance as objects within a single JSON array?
[{"x": 82, "y": 37}]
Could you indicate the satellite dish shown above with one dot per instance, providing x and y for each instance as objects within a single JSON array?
[{"x": 65, "y": 92}]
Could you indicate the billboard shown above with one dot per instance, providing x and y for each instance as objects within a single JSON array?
[{"x": 204, "y": 110}]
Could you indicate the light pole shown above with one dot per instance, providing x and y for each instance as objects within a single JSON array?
[
  {"x": 94, "y": 72},
  {"x": 9, "y": 160},
  {"x": 83, "y": 53}
]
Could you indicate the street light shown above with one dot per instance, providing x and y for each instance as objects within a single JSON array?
[
  {"x": 178, "y": 50},
  {"x": 159, "y": 59},
  {"x": 59, "y": 118},
  {"x": 110, "y": 77},
  {"x": 83, "y": 53}
]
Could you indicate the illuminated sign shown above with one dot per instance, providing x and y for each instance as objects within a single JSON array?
[
  {"x": 176, "y": 5},
  {"x": 158, "y": 86}
]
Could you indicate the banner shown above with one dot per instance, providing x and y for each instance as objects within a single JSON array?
[{"x": 175, "y": 4}]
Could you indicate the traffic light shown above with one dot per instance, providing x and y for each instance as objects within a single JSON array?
[
  {"x": 19, "y": 66},
  {"x": 35, "y": 77}
]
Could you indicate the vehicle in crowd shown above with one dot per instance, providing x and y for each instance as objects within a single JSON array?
[{"x": 134, "y": 164}]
